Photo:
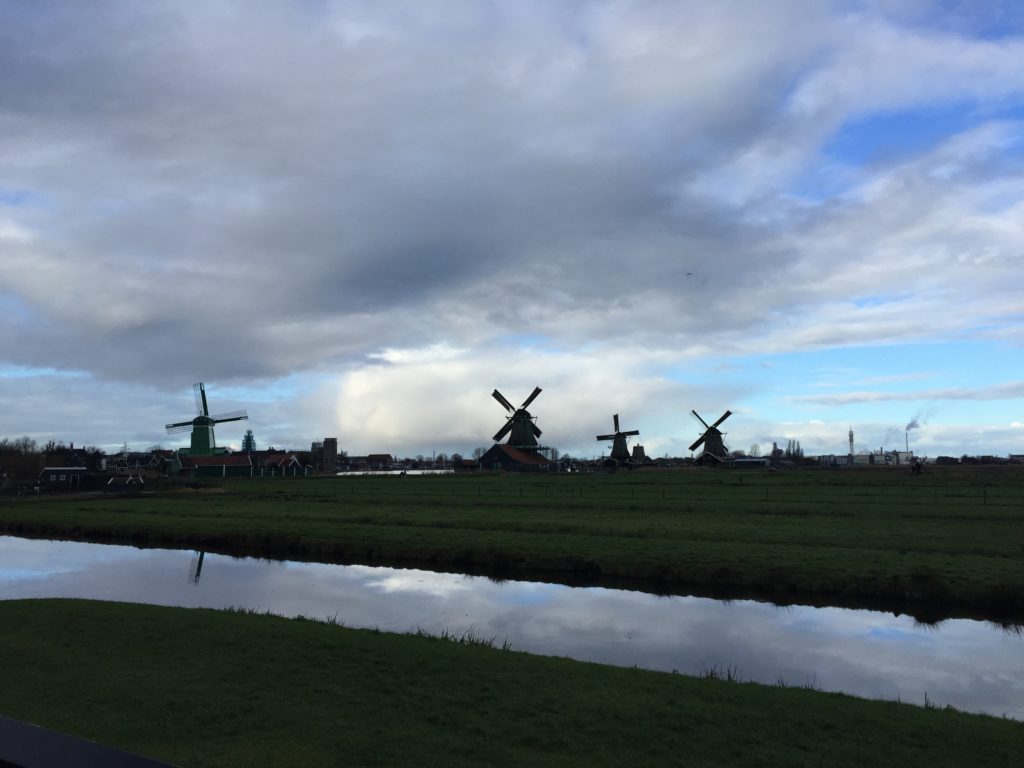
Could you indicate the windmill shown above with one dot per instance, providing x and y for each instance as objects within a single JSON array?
[
  {"x": 195, "y": 571},
  {"x": 519, "y": 426},
  {"x": 202, "y": 425},
  {"x": 620, "y": 451},
  {"x": 711, "y": 438}
]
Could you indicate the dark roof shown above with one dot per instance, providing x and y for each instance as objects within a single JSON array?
[
  {"x": 228, "y": 460},
  {"x": 379, "y": 457}
]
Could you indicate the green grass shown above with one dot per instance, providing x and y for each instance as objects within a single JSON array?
[
  {"x": 952, "y": 538},
  {"x": 199, "y": 687}
]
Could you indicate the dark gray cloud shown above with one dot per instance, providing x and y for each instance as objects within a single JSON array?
[
  {"x": 241, "y": 192},
  {"x": 212, "y": 172}
]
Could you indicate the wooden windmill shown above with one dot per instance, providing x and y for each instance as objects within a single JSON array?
[
  {"x": 711, "y": 439},
  {"x": 203, "y": 443},
  {"x": 519, "y": 424},
  {"x": 620, "y": 450}
]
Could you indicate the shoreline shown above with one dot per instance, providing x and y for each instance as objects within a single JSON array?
[{"x": 1007, "y": 613}]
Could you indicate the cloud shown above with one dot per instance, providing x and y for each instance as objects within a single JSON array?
[
  {"x": 413, "y": 404},
  {"x": 1006, "y": 391},
  {"x": 245, "y": 194},
  {"x": 263, "y": 191}
]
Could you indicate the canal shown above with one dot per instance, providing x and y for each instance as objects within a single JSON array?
[{"x": 972, "y": 665}]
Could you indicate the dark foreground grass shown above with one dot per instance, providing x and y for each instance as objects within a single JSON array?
[
  {"x": 953, "y": 538},
  {"x": 200, "y": 687}
]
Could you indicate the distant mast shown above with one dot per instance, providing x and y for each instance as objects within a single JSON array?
[{"x": 851, "y": 442}]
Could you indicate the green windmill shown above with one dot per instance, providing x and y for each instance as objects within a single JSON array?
[{"x": 203, "y": 443}]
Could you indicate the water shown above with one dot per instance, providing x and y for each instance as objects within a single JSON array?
[
  {"x": 971, "y": 665},
  {"x": 394, "y": 472}
]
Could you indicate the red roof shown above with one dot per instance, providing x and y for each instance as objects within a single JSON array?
[{"x": 521, "y": 457}]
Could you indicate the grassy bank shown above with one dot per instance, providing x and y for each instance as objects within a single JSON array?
[
  {"x": 954, "y": 537},
  {"x": 198, "y": 687}
]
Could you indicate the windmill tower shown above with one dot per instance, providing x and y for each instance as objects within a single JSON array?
[
  {"x": 620, "y": 450},
  {"x": 203, "y": 443},
  {"x": 711, "y": 438},
  {"x": 519, "y": 425}
]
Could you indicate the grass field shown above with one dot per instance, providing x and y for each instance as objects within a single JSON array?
[
  {"x": 208, "y": 688},
  {"x": 951, "y": 540}
]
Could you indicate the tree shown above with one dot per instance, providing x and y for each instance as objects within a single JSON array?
[
  {"x": 478, "y": 452},
  {"x": 20, "y": 459},
  {"x": 755, "y": 450},
  {"x": 22, "y": 445}
]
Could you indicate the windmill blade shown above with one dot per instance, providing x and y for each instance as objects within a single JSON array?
[
  {"x": 615, "y": 419},
  {"x": 231, "y": 416},
  {"x": 606, "y": 437},
  {"x": 503, "y": 431},
  {"x": 698, "y": 418},
  {"x": 631, "y": 433},
  {"x": 199, "y": 392},
  {"x": 531, "y": 398},
  {"x": 536, "y": 430},
  {"x": 501, "y": 399},
  {"x": 725, "y": 416},
  {"x": 697, "y": 444},
  {"x": 173, "y": 429}
]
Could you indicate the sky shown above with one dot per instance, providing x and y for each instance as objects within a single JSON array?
[{"x": 357, "y": 219}]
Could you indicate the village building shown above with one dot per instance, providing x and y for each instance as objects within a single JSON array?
[{"x": 503, "y": 456}]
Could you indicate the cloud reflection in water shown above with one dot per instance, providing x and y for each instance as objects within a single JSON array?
[{"x": 970, "y": 665}]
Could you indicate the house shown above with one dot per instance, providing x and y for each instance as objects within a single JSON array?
[
  {"x": 380, "y": 462},
  {"x": 223, "y": 465},
  {"x": 288, "y": 465},
  {"x": 502, "y": 456},
  {"x": 63, "y": 478},
  {"x": 750, "y": 462}
]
